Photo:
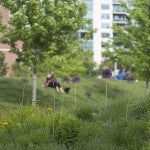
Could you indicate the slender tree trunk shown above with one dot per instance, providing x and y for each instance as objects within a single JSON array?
[
  {"x": 34, "y": 86},
  {"x": 115, "y": 66},
  {"x": 147, "y": 86}
]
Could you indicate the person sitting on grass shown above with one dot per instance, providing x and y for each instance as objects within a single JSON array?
[
  {"x": 121, "y": 74},
  {"x": 52, "y": 82},
  {"x": 130, "y": 76}
]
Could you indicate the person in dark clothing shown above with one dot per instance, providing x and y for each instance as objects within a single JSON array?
[
  {"x": 129, "y": 76},
  {"x": 52, "y": 82}
]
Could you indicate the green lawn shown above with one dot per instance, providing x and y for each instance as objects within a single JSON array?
[
  {"x": 11, "y": 92},
  {"x": 118, "y": 121}
]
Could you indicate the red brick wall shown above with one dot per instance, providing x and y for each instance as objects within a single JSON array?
[
  {"x": 5, "y": 18},
  {"x": 10, "y": 58}
]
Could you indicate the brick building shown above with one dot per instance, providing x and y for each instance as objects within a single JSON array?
[{"x": 10, "y": 58}]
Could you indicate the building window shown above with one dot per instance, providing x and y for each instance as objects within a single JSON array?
[
  {"x": 89, "y": 16},
  {"x": 105, "y": 16},
  {"x": 105, "y": 25},
  {"x": 87, "y": 0},
  {"x": 88, "y": 26},
  {"x": 83, "y": 34},
  {"x": 105, "y": 35},
  {"x": 121, "y": 18},
  {"x": 89, "y": 7},
  {"x": 105, "y": 6},
  {"x": 118, "y": 8},
  {"x": 88, "y": 45},
  {"x": 117, "y": 1}
]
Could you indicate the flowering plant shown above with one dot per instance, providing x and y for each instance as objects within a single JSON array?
[
  {"x": 75, "y": 79},
  {"x": 106, "y": 73},
  {"x": 66, "y": 79},
  {"x": 88, "y": 94}
]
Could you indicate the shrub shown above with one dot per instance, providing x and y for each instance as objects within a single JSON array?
[
  {"x": 140, "y": 111},
  {"x": 97, "y": 143},
  {"x": 131, "y": 134},
  {"x": 64, "y": 129},
  {"x": 85, "y": 112},
  {"x": 114, "y": 111},
  {"x": 89, "y": 131},
  {"x": 137, "y": 134},
  {"x": 20, "y": 70}
]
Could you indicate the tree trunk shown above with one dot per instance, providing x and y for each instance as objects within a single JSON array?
[
  {"x": 34, "y": 86},
  {"x": 115, "y": 66},
  {"x": 147, "y": 86}
]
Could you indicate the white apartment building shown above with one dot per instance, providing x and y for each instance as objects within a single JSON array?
[{"x": 103, "y": 14}]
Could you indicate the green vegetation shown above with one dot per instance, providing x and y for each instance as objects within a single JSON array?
[
  {"x": 54, "y": 123},
  {"x": 45, "y": 28},
  {"x": 3, "y": 67},
  {"x": 134, "y": 39}
]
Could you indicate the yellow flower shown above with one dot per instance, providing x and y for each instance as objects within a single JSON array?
[
  {"x": 5, "y": 124},
  {"x": 49, "y": 109}
]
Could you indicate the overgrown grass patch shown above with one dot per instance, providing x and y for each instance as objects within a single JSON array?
[{"x": 55, "y": 123}]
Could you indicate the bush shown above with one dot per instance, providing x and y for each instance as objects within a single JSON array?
[
  {"x": 89, "y": 131},
  {"x": 64, "y": 129},
  {"x": 97, "y": 143},
  {"x": 140, "y": 111},
  {"x": 86, "y": 112},
  {"x": 20, "y": 70},
  {"x": 114, "y": 111}
]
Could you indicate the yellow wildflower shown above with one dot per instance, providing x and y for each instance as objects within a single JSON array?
[
  {"x": 49, "y": 109},
  {"x": 5, "y": 124}
]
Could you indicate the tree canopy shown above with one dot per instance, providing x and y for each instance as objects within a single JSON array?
[
  {"x": 135, "y": 38},
  {"x": 42, "y": 26},
  {"x": 45, "y": 27}
]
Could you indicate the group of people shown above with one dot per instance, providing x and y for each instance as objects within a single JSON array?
[
  {"x": 123, "y": 74},
  {"x": 120, "y": 75},
  {"x": 52, "y": 82}
]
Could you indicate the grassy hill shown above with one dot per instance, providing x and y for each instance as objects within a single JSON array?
[
  {"x": 83, "y": 119},
  {"x": 14, "y": 91}
]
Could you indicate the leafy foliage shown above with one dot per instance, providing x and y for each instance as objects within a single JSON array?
[
  {"x": 69, "y": 64},
  {"x": 41, "y": 28},
  {"x": 65, "y": 129},
  {"x": 3, "y": 66},
  {"x": 44, "y": 27},
  {"x": 135, "y": 38},
  {"x": 20, "y": 70},
  {"x": 124, "y": 124}
]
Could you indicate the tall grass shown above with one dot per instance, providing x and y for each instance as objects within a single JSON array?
[{"x": 122, "y": 125}]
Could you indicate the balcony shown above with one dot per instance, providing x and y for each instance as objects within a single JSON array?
[
  {"x": 118, "y": 1},
  {"x": 120, "y": 20},
  {"x": 118, "y": 9}
]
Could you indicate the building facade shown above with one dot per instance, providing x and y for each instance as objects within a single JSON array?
[
  {"x": 10, "y": 58},
  {"x": 103, "y": 14}
]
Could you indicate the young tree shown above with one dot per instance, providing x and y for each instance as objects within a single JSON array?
[
  {"x": 44, "y": 26},
  {"x": 135, "y": 37}
]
